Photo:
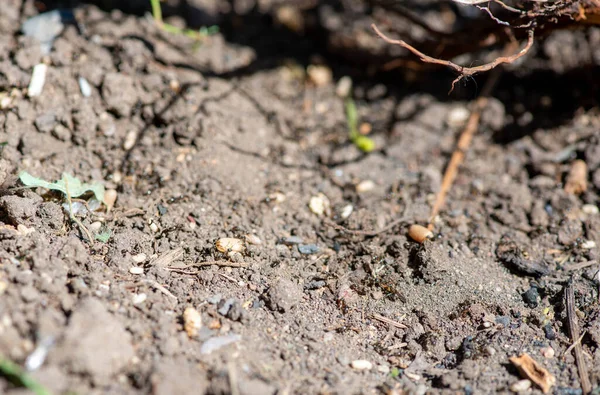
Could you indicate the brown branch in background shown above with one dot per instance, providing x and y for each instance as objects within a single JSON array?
[
  {"x": 586, "y": 386},
  {"x": 461, "y": 70}
]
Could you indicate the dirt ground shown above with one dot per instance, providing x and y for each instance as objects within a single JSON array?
[{"x": 231, "y": 139}]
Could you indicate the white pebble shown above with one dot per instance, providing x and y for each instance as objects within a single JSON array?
[
  {"x": 192, "y": 321},
  {"x": 346, "y": 211},
  {"x": 457, "y": 117},
  {"x": 130, "y": 140},
  {"x": 136, "y": 270},
  {"x": 319, "y": 204},
  {"x": 344, "y": 86},
  {"x": 365, "y": 186},
  {"x": 139, "y": 298},
  {"x": 520, "y": 386},
  {"x": 139, "y": 258},
  {"x": 84, "y": 86},
  {"x": 319, "y": 75},
  {"x": 253, "y": 239},
  {"x": 361, "y": 364},
  {"x": 590, "y": 209},
  {"x": 154, "y": 227},
  {"x": 95, "y": 226},
  {"x": 588, "y": 244},
  {"x": 38, "y": 80}
]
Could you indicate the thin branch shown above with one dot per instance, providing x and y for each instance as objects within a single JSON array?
[{"x": 461, "y": 70}]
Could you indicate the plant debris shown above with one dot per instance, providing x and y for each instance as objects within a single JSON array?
[
  {"x": 68, "y": 185},
  {"x": 533, "y": 371}
]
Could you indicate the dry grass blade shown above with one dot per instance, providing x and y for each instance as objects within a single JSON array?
[
  {"x": 461, "y": 70},
  {"x": 586, "y": 386},
  {"x": 166, "y": 259},
  {"x": 388, "y": 321}
]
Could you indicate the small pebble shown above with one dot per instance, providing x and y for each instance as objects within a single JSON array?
[
  {"x": 346, "y": 211},
  {"x": 419, "y": 233},
  {"x": 547, "y": 352},
  {"x": 95, "y": 226},
  {"x": 130, "y": 140},
  {"x": 38, "y": 80},
  {"x": 365, "y": 186},
  {"x": 588, "y": 244},
  {"x": 576, "y": 182},
  {"x": 84, "y": 86},
  {"x": 590, "y": 209},
  {"x": 489, "y": 350},
  {"x": 549, "y": 332},
  {"x": 308, "y": 249},
  {"x": 136, "y": 270},
  {"x": 154, "y": 227},
  {"x": 531, "y": 297},
  {"x": 192, "y": 321},
  {"x": 253, "y": 239},
  {"x": 520, "y": 386},
  {"x": 139, "y": 258},
  {"x": 361, "y": 364},
  {"x": 319, "y": 204},
  {"x": 174, "y": 85},
  {"x": 319, "y": 75},
  {"x": 457, "y": 117},
  {"x": 139, "y": 298},
  {"x": 344, "y": 86}
]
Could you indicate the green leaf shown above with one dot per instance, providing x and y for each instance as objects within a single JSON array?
[
  {"x": 103, "y": 236},
  {"x": 67, "y": 183},
  {"x": 15, "y": 374}
]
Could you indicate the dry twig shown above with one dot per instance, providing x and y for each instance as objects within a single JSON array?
[{"x": 586, "y": 386}]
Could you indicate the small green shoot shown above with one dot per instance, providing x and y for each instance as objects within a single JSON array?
[
  {"x": 68, "y": 185},
  {"x": 363, "y": 143},
  {"x": 103, "y": 236},
  {"x": 17, "y": 376},
  {"x": 71, "y": 187},
  {"x": 395, "y": 372},
  {"x": 199, "y": 35}
]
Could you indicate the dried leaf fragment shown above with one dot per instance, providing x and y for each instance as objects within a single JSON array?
[
  {"x": 192, "y": 321},
  {"x": 230, "y": 244},
  {"x": 533, "y": 371},
  {"x": 576, "y": 182}
]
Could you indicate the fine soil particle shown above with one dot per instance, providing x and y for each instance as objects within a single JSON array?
[{"x": 229, "y": 139}]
